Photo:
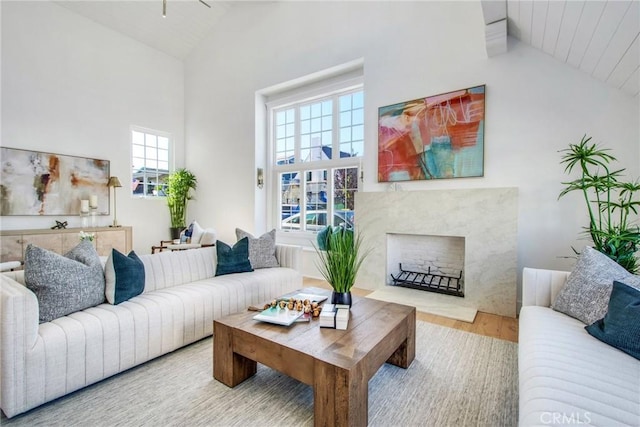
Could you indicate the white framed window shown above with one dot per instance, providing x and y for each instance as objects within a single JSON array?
[
  {"x": 150, "y": 161},
  {"x": 316, "y": 145}
]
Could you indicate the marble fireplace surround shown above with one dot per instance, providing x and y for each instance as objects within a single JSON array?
[{"x": 485, "y": 217}]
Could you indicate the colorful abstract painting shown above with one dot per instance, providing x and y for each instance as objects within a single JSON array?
[
  {"x": 437, "y": 137},
  {"x": 35, "y": 183}
]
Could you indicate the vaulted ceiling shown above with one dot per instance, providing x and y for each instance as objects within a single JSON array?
[
  {"x": 187, "y": 22},
  {"x": 598, "y": 37}
]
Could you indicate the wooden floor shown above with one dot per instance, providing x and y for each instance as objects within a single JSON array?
[{"x": 490, "y": 325}]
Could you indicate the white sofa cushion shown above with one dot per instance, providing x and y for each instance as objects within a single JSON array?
[
  {"x": 167, "y": 269},
  {"x": 566, "y": 374}
]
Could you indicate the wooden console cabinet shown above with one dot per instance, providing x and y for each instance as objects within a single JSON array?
[{"x": 14, "y": 242}]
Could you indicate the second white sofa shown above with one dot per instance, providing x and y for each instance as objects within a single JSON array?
[
  {"x": 181, "y": 298},
  {"x": 566, "y": 376}
]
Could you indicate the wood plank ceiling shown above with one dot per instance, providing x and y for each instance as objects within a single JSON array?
[{"x": 597, "y": 37}]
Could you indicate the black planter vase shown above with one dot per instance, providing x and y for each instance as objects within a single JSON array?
[
  {"x": 341, "y": 298},
  {"x": 175, "y": 232}
]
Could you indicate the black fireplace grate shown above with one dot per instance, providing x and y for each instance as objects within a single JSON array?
[{"x": 440, "y": 283}]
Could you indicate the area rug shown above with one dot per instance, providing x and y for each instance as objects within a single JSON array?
[
  {"x": 457, "y": 379},
  {"x": 424, "y": 302}
]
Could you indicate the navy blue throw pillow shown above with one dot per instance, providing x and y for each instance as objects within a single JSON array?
[
  {"x": 124, "y": 277},
  {"x": 620, "y": 327},
  {"x": 233, "y": 259}
]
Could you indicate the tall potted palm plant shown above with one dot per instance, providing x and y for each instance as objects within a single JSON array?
[
  {"x": 609, "y": 202},
  {"x": 178, "y": 191}
]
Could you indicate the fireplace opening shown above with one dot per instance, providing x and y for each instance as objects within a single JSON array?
[{"x": 426, "y": 262}]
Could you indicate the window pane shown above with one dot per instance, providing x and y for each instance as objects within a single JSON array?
[
  {"x": 316, "y": 125},
  {"x": 281, "y": 118},
  {"x": 357, "y": 148},
  {"x": 290, "y": 201},
  {"x": 305, "y": 112},
  {"x": 291, "y": 115},
  {"x": 151, "y": 140},
  {"x": 327, "y": 106},
  {"x": 358, "y": 132},
  {"x": 345, "y": 102},
  {"x": 315, "y": 110},
  {"x": 345, "y": 134},
  {"x": 137, "y": 138},
  {"x": 163, "y": 143},
  {"x": 326, "y": 139},
  {"x": 358, "y": 99},
  {"x": 163, "y": 155},
  {"x": 305, "y": 126},
  {"x": 345, "y": 118},
  {"x": 281, "y": 131},
  {"x": 305, "y": 141},
  {"x": 290, "y": 129},
  {"x": 345, "y": 186},
  {"x": 137, "y": 151},
  {"x": 316, "y": 198},
  {"x": 358, "y": 116},
  {"x": 326, "y": 122}
]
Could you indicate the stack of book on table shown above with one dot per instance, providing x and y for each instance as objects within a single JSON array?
[{"x": 334, "y": 316}]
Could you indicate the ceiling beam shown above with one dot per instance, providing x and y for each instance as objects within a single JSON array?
[{"x": 495, "y": 21}]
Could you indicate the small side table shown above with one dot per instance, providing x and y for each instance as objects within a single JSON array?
[{"x": 169, "y": 245}]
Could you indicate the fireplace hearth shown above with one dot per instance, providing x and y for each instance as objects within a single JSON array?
[{"x": 429, "y": 281}]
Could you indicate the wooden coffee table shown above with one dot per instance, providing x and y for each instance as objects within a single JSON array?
[{"x": 337, "y": 363}]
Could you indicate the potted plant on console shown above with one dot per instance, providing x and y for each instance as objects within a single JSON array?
[
  {"x": 178, "y": 191},
  {"x": 339, "y": 259}
]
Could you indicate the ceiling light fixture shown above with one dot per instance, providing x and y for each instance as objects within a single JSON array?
[{"x": 164, "y": 7}]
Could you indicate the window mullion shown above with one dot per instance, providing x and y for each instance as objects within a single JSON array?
[
  {"x": 298, "y": 162},
  {"x": 335, "y": 149}
]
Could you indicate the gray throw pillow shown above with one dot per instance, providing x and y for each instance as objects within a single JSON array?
[
  {"x": 64, "y": 284},
  {"x": 262, "y": 250},
  {"x": 586, "y": 294}
]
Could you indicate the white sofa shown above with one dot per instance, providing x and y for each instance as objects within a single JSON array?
[
  {"x": 566, "y": 376},
  {"x": 181, "y": 298}
]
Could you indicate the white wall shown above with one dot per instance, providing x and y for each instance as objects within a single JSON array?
[
  {"x": 535, "y": 105},
  {"x": 72, "y": 86}
]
